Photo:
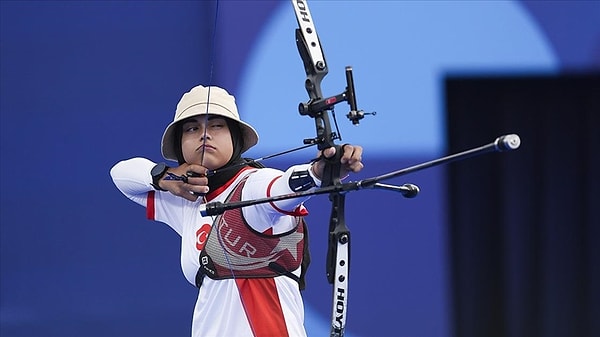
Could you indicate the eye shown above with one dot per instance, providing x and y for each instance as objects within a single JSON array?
[
  {"x": 217, "y": 124},
  {"x": 190, "y": 128}
]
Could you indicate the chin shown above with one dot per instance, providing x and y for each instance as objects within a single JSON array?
[{"x": 209, "y": 164}]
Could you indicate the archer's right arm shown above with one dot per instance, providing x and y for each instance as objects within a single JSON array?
[{"x": 132, "y": 177}]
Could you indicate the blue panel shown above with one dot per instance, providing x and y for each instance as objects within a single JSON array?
[{"x": 85, "y": 84}]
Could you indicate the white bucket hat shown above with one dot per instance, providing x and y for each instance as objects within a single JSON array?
[{"x": 199, "y": 101}]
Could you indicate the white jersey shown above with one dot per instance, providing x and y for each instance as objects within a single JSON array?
[{"x": 229, "y": 307}]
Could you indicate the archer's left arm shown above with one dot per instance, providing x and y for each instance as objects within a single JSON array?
[{"x": 299, "y": 178}]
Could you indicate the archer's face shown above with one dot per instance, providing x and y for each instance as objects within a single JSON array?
[{"x": 206, "y": 141}]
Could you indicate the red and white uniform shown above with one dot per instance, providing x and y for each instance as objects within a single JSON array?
[{"x": 229, "y": 307}]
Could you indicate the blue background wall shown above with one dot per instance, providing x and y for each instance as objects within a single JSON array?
[{"x": 85, "y": 84}]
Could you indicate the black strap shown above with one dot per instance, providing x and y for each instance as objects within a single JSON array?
[
  {"x": 199, "y": 277},
  {"x": 281, "y": 271}
]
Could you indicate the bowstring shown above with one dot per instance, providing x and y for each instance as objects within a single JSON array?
[
  {"x": 213, "y": 218},
  {"x": 210, "y": 78}
]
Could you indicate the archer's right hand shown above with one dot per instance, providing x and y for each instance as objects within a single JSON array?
[{"x": 188, "y": 181}]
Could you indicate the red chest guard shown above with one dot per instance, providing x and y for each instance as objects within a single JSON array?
[{"x": 235, "y": 250}]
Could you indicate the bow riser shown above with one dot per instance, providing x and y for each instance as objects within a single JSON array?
[{"x": 318, "y": 108}]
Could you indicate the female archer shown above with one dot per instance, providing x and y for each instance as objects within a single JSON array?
[{"x": 248, "y": 263}]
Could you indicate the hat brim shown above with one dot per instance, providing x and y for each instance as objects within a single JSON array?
[{"x": 249, "y": 134}]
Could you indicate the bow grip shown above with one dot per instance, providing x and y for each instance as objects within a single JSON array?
[{"x": 331, "y": 171}]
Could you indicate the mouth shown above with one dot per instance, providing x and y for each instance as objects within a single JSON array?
[{"x": 205, "y": 147}]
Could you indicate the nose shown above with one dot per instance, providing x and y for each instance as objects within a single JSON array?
[{"x": 204, "y": 134}]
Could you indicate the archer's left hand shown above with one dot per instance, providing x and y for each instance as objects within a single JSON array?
[{"x": 351, "y": 160}]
